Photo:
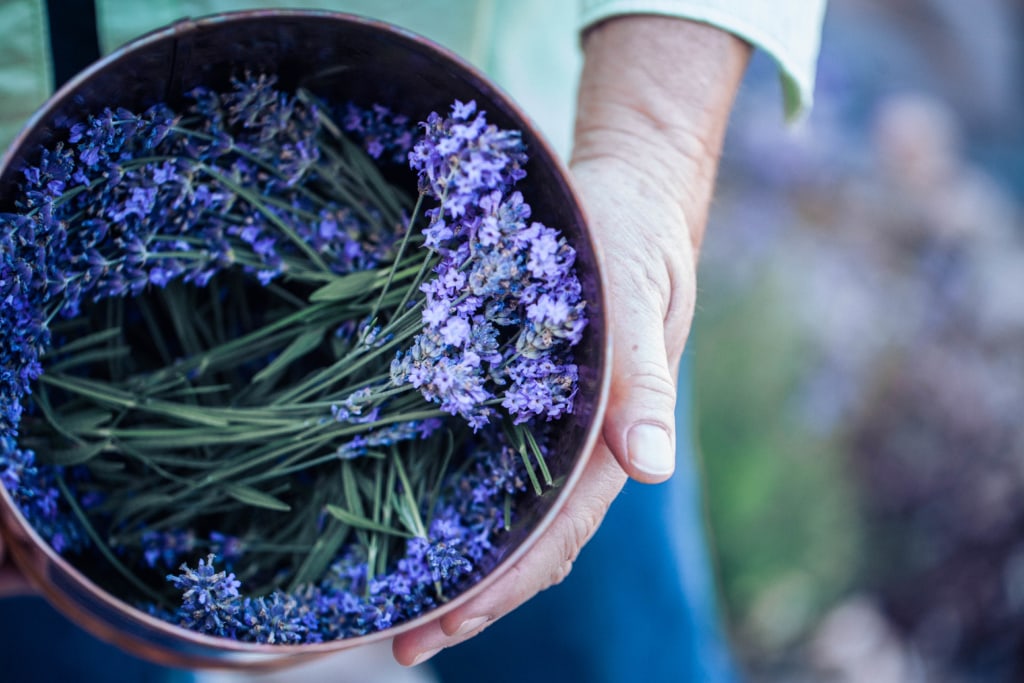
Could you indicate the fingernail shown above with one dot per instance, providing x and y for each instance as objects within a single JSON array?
[
  {"x": 424, "y": 656},
  {"x": 470, "y": 625},
  {"x": 650, "y": 450}
]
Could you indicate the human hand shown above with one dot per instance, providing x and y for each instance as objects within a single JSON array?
[
  {"x": 11, "y": 580},
  {"x": 654, "y": 100}
]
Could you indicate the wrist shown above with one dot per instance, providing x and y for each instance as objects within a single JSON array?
[{"x": 655, "y": 93}]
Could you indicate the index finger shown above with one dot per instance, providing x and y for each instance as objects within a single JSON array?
[{"x": 12, "y": 582}]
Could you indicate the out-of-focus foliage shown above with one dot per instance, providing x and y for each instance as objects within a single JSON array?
[{"x": 860, "y": 355}]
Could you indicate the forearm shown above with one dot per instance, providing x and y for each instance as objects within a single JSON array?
[{"x": 656, "y": 93}]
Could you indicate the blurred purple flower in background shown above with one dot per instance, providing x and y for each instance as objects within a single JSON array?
[{"x": 870, "y": 265}]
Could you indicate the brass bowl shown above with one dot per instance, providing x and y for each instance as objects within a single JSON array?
[{"x": 338, "y": 57}]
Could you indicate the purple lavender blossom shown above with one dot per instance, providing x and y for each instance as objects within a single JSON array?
[
  {"x": 387, "y": 436},
  {"x": 499, "y": 277},
  {"x": 168, "y": 547},
  {"x": 357, "y": 408},
  {"x": 33, "y": 489},
  {"x": 276, "y": 618},
  {"x": 383, "y": 133},
  {"x": 540, "y": 388},
  {"x": 456, "y": 380},
  {"x": 228, "y": 548},
  {"x": 33, "y": 271},
  {"x": 443, "y": 555},
  {"x": 462, "y": 157},
  {"x": 210, "y": 601}
]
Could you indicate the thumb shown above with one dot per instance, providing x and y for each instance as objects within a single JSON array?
[
  {"x": 651, "y": 289},
  {"x": 640, "y": 427}
]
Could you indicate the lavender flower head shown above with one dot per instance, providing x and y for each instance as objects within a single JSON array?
[
  {"x": 505, "y": 306},
  {"x": 210, "y": 601},
  {"x": 462, "y": 156}
]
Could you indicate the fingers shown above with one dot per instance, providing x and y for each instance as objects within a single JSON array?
[
  {"x": 547, "y": 563},
  {"x": 11, "y": 581}
]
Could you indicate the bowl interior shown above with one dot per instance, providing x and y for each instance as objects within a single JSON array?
[{"x": 339, "y": 58}]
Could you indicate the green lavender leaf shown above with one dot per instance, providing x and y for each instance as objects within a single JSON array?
[
  {"x": 89, "y": 340},
  {"x": 516, "y": 437},
  {"x": 406, "y": 507},
  {"x": 537, "y": 454},
  {"x": 323, "y": 552},
  {"x": 94, "y": 356},
  {"x": 140, "y": 502},
  {"x": 348, "y": 286},
  {"x": 302, "y": 345},
  {"x": 75, "y": 455},
  {"x": 256, "y": 498},
  {"x": 85, "y": 420},
  {"x": 343, "y": 515},
  {"x": 116, "y": 398},
  {"x": 106, "y": 468}
]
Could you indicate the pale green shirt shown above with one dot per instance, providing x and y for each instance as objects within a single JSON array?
[
  {"x": 788, "y": 30},
  {"x": 529, "y": 47}
]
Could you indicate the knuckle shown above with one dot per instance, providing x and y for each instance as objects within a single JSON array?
[
  {"x": 655, "y": 384},
  {"x": 561, "y": 573},
  {"x": 656, "y": 286}
]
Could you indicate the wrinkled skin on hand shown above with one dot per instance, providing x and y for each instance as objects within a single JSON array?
[{"x": 654, "y": 102}]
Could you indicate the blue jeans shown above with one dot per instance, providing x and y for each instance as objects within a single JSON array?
[{"x": 38, "y": 645}]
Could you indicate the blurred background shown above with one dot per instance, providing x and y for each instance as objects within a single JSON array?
[{"x": 860, "y": 355}]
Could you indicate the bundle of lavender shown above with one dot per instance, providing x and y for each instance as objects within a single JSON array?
[{"x": 261, "y": 379}]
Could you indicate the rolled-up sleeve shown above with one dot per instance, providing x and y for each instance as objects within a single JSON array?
[{"x": 788, "y": 30}]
